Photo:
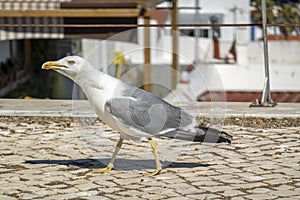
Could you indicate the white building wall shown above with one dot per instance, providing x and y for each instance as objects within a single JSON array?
[
  {"x": 221, "y": 7},
  {"x": 279, "y": 52}
]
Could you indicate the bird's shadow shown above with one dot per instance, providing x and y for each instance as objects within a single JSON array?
[{"x": 120, "y": 164}]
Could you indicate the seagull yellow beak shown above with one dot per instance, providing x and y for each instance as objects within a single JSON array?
[{"x": 52, "y": 65}]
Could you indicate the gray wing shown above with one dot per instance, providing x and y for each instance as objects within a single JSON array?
[{"x": 147, "y": 112}]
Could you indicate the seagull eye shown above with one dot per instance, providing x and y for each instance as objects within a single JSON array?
[{"x": 71, "y": 62}]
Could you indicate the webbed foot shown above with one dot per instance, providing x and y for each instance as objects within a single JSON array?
[{"x": 105, "y": 169}]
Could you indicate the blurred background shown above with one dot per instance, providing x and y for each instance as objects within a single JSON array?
[{"x": 210, "y": 59}]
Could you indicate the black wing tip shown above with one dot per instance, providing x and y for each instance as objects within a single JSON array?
[
  {"x": 212, "y": 135},
  {"x": 225, "y": 137}
]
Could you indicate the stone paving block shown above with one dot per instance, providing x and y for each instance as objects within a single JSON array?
[
  {"x": 284, "y": 187},
  {"x": 105, "y": 183},
  {"x": 223, "y": 177},
  {"x": 190, "y": 190},
  {"x": 101, "y": 177},
  {"x": 29, "y": 196},
  {"x": 255, "y": 169},
  {"x": 233, "y": 181},
  {"x": 68, "y": 190},
  {"x": 206, "y": 183},
  {"x": 5, "y": 197},
  {"x": 232, "y": 192},
  {"x": 43, "y": 192},
  {"x": 9, "y": 192},
  {"x": 268, "y": 166},
  {"x": 261, "y": 196},
  {"x": 253, "y": 185},
  {"x": 86, "y": 186},
  {"x": 129, "y": 175},
  {"x": 237, "y": 198},
  {"x": 274, "y": 175},
  {"x": 127, "y": 181},
  {"x": 260, "y": 190},
  {"x": 181, "y": 186},
  {"x": 297, "y": 189},
  {"x": 109, "y": 190},
  {"x": 55, "y": 186},
  {"x": 110, "y": 196},
  {"x": 79, "y": 181},
  {"x": 289, "y": 171},
  {"x": 61, "y": 196},
  {"x": 289, "y": 198},
  {"x": 208, "y": 173},
  {"x": 153, "y": 183},
  {"x": 178, "y": 198},
  {"x": 29, "y": 189},
  {"x": 217, "y": 189},
  {"x": 9, "y": 188},
  {"x": 130, "y": 193},
  {"x": 53, "y": 180},
  {"x": 249, "y": 177},
  {"x": 134, "y": 186},
  {"x": 96, "y": 197},
  {"x": 277, "y": 181},
  {"x": 204, "y": 196},
  {"x": 284, "y": 193},
  {"x": 160, "y": 191},
  {"x": 256, "y": 166},
  {"x": 229, "y": 170},
  {"x": 153, "y": 196}
]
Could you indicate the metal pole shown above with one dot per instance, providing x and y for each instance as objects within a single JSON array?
[
  {"x": 266, "y": 100},
  {"x": 197, "y": 33},
  {"x": 266, "y": 96},
  {"x": 147, "y": 56},
  {"x": 234, "y": 9},
  {"x": 174, "y": 44}
]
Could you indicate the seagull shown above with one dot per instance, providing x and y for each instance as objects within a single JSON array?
[{"x": 133, "y": 112}]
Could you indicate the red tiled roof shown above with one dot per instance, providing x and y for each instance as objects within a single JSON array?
[
  {"x": 160, "y": 16},
  {"x": 248, "y": 96}
]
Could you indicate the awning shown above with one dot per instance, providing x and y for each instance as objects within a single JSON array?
[{"x": 18, "y": 17}]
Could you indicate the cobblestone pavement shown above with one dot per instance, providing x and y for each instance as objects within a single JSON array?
[{"x": 53, "y": 158}]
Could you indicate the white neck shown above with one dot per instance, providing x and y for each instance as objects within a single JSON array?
[{"x": 92, "y": 80}]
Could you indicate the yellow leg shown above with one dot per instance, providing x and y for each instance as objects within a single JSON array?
[
  {"x": 111, "y": 163},
  {"x": 157, "y": 162}
]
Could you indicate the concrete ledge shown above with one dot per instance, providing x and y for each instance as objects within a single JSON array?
[
  {"x": 51, "y": 108},
  {"x": 81, "y": 108}
]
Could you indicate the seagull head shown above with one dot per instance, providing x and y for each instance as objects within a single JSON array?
[{"x": 69, "y": 66}]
